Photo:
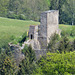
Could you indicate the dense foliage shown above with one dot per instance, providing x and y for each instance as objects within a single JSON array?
[
  {"x": 31, "y": 9},
  {"x": 58, "y": 64},
  {"x": 60, "y": 57},
  {"x": 60, "y": 44},
  {"x": 60, "y": 60},
  {"x": 27, "y": 66},
  {"x": 7, "y": 63}
]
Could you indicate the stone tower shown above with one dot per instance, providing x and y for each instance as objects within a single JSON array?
[
  {"x": 33, "y": 32},
  {"x": 47, "y": 27}
]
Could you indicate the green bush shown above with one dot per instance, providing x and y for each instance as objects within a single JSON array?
[
  {"x": 12, "y": 15},
  {"x": 27, "y": 66},
  {"x": 52, "y": 44},
  {"x": 7, "y": 63},
  {"x": 65, "y": 45},
  {"x": 21, "y": 17},
  {"x": 65, "y": 33},
  {"x": 72, "y": 33},
  {"x": 58, "y": 64},
  {"x": 23, "y": 38},
  {"x": 20, "y": 39}
]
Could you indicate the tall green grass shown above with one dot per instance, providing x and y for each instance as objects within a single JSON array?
[
  {"x": 69, "y": 31},
  {"x": 13, "y": 28}
]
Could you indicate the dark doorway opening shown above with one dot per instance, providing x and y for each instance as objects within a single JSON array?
[{"x": 31, "y": 36}]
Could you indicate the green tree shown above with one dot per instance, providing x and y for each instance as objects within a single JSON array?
[
  {"x": 27, "y": 66},
  {"x": 57, "y": 5},
  {"x": 65, "y": 45},
  {"x": 15, "y": 5},
  {"x": 73, "y": 44},
  {"x": 58, "y": 64},
  {"x": 7, "y": 63},
  {"x": 31, "y": 9},
  {"x": 4, "y": 7},
  {"x": 69, "y": 9},
  {"x": 52, "y": 45}
]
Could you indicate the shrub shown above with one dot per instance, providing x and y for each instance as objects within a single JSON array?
[
  {"x": 65, "y": 45},
  {"x": 53, "y": 40},
  {"x": 12, "y": 15},
  {"x": 23, "y": 38},
  {"x": 58, "y": 64},
  {"x": 27, "y": 65},
  {"x": 72, "y": 33},
  {"x": 7, "y": 63},
  {"x": 65, "y": 33},
  {"x": 73, "y": 45},
  {"x": 21, "y": 17}
]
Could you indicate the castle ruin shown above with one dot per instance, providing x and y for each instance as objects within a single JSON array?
[{"x": 40, "y": 34}]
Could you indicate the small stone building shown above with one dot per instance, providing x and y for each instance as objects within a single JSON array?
[
  {"x": 48, "y": 26},
  {"x": 33, "y": 32}
]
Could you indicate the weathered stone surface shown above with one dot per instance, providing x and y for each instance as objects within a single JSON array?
[
  {"x": 39, "y": 35},
  {"x": 40, "y": 52},
  {"x": 33, "y": 32},
  {"x": 16, "y": 50},
  {"x": 48, "y": 26}
]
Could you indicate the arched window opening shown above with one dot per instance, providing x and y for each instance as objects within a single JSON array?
[{"x": 31, "y": 36}]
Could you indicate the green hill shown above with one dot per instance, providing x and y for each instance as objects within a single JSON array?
[
  {"x": 10, "y": 28},
  {"x": 68, "y": 30},
  {"x": 13, "y": 28}
]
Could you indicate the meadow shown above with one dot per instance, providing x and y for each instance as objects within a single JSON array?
[
  {"x": 10, "y": 28},
  {"x": 13, "y": 28},
  {"x": 68, "y": 31}
]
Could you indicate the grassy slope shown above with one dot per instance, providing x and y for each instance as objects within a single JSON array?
[
  {"x": 68, "y": 29},
  {"x": 13, "y": 27}
]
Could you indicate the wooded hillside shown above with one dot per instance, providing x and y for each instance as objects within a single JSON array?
[{"x": 31, "y": 9}]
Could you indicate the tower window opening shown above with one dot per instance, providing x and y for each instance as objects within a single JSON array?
[{"x": 31, "y": 36}]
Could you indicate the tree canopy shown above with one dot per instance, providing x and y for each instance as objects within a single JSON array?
[{"x": 31, "y": 9}]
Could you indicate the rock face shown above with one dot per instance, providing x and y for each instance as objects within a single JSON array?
[
  {"x": 48, "y": 26},
  {"x": 17, "y": 53}
]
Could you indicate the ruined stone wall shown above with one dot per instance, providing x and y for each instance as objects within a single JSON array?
[
  {"x": 52, "y": 23},
  {"x": 42, "y": 33},
  {"x": 40, "y": 53},
  {"x": 33, "y": 32},
  {"x": 48, "y": 26},
  {"x": 43, "y": 25},
  {"x": 17, "y": 53},
  {"x": 42, "y": 42},
  {"x": 36, "y": 33}
]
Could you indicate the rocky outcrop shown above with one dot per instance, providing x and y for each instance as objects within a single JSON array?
[{"x": 17, "y": 53}]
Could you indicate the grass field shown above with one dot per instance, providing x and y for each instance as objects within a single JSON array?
[
  {"x": 68, "y": 29},
  {"x": 13, "y": 27}
]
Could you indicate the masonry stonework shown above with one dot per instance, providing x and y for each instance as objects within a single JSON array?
[
  {"x": 39, "y": 35},
  {"x": 33, "y": 32},
  {"x": 48, "y": 26}
]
